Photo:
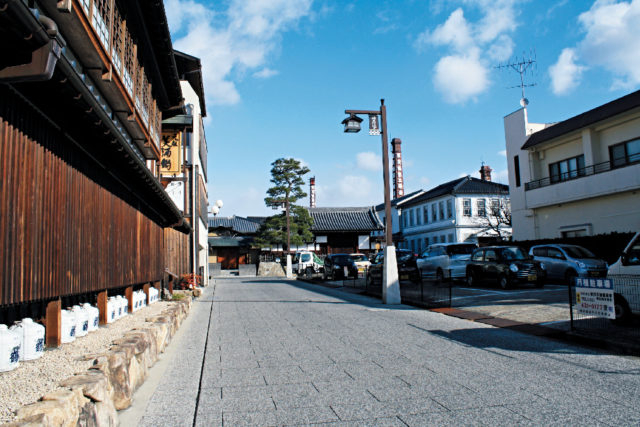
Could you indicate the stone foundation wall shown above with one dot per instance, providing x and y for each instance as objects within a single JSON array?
[
  {"x": 271, "y": 269},
  {"x": 93, "y": 398}
]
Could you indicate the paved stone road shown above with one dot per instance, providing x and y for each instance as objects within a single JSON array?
[{"x": 287, "y": 353}]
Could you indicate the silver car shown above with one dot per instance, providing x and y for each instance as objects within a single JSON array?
[
  {"x": 565, "y": 262},
  {"x": 445, "y": 260}
]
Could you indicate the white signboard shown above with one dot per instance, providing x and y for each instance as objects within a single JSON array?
[
  {"x": 374, "y": 127},
  {"x": 594, "y": 297},
  {"x": 363, "y": 242},
  {"x": 321, "y": 239},
  {"x": 175, "y": 190}
]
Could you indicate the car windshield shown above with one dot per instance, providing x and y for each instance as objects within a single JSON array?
[
  {"x": 359, "y": 257},
  {"x": 296, "y": 258},
  {"x": 342, "y": 259},
  {"x": 305, "y": 257},
  {"x": 514, "y": 254},
  {"x": 403, "y": 255},
  {"x": 460, "y": 249},
  {"x": 578, "y": 252}
]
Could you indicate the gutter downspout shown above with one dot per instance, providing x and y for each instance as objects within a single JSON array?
[{"x": 43, "y": 59}]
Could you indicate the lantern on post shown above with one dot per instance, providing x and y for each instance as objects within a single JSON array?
[{"x": 352, "y": 124}]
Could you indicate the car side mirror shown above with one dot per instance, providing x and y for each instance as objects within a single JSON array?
[{"x": 624, "y": 259}]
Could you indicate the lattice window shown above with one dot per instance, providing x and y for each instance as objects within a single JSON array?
[
  {"x": 100, "y": 20},
  {"x": 129, "y": 62},
  {"x": 140, "y": 84},
  {"x": 146, "y": 101},
  {"x": 118, "y": 42}
]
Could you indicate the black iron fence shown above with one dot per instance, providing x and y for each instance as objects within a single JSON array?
[
  {"x": 418, "y": 291},
  {"x": 606, "y": 307}
]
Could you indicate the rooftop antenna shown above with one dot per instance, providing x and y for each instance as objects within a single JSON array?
[{"x": 521, "y": 66}]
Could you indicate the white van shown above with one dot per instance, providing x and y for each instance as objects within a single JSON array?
[
  {"x": 626, "y": 280},
  {"x": 307, "y": 263}
]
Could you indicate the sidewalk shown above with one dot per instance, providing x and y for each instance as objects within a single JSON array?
[{"x": 284, "y": 352}]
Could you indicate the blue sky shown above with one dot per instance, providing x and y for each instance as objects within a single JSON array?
[{"x": 279, "y": 74}]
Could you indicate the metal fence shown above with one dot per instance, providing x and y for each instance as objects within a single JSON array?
[
  {"x": 590, "y": 307},
  {"x": 421, "y": 292}
]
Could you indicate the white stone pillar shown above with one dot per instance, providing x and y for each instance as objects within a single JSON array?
[
  {"x": 390, "y": 282},
  {"x": 289, "y": 269}
]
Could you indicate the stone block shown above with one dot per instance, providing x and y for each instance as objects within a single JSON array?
[{"x": 94, "y": 385}]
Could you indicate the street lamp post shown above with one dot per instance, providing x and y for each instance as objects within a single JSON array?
[{"x": 390, "y": 282}]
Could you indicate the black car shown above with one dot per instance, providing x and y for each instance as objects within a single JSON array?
[
  {"x": 505, "y": 266},
  {"x": 339, "y": 266},
  {"x": 407, "y": 267}
]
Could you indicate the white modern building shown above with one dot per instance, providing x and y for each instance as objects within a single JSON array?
[
  {"x": 396, "y": 210},
  {"x": 462, "y": 210},
  {"x": 578, "y": 177}
]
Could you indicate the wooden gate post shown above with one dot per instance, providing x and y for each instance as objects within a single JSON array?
[
  {"x": 53, "y": 323},
  {"x": 145, "y": 288},
  {"x": 128, "y": 293},
  {"x": 102, "y": 307}
]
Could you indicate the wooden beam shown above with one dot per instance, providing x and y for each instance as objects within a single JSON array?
[
  {"x": 53, "y": 323},
  {"x": 128, "y": 293},
  {"x": 102, "y": 307},
  {"x": 145, "y": 288}
]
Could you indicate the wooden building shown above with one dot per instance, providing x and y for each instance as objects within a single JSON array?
[
  {"x": 231, "y": 241},
  {"x": 344, "y": 230},
  {"x": 84, "y": 87}
]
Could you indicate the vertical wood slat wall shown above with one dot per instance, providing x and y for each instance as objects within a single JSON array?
[
  {"x": 60, "y": 232},
  {"x": 176, "y": 252}
]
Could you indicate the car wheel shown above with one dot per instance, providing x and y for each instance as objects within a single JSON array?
[
  {"x": 439, "y": 275},
  {"x": 623, "y": 313},
  {"x": 540, "y": 283},
  {"x": 369, "y": 280},
  {"x": 471, "y": 278},
  {"x": 570, "y": 276},
  {"x": 503, "y": 282}
]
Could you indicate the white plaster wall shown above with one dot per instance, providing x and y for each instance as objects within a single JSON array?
[{"x": 618, "y": 212}]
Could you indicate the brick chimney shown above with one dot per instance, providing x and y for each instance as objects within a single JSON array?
[
  {"x": 485, "y": 172},
  {"x": 398, "y": 181},
  {"x": 312, "y": 192}
]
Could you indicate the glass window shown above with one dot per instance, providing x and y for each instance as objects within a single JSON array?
[
  {"x": 411, "y": 218},
  {"x": 434, "y": 213},
  {"x": 462, "y": 249},
  {"x": 578, "y": 252},
  {"x": 305, "y": 257},
  {"x": 482, "y": 211},
  {"x": 490, "y": 255},
  {"x": 495, "y": 206},
  {"x": 567, "y": 169},
  {"x": 477, "y": 256},
  {"x": 425, "y": 213},
  {"x": 413, "y": 246},
  {"x": 540, "y": 252},
  {"x": 449, "y": 209},
  {"x": 450, "y": 238},
  {"x": 625, "y": 153},
  {"x": 441, "y": 210},
  {"x": 426, "y": 241},
  {"x": 418, "y": 216},
  {"x": 514, "y": 253},
  {"x": 404, "y": 220},
  {"x": 466, "y": 207}
]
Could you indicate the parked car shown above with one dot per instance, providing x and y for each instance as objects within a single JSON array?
[
  {"x": 307, "y": 263},
  {"x": 339, "y": 266},
  {"x": 566, "y": 262},
  {"x": 445, "y": 260},
  {"x": 361, "y": 261},
  {"x": 407, "y": 267},
  {"x": 625, "y": 273},
  {"x": 505, "y": 266}
]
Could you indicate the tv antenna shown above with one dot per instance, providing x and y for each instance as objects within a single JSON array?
[{"x": 522, "y": 66}]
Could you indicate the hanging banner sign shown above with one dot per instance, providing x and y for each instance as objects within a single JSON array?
[
  {"x": 374, "y": 125},
  {"x": 594, "y": 297},
  {"x": 170, "y": 151}
]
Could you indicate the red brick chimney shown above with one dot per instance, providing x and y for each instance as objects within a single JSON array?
[
  {"x": 485, "y": 173},
  {"x": 398, "y": 181},
  {"x": 312, "y": 192}
]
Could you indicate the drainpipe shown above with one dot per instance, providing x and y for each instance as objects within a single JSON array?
[{"x": 43, "y": 30}]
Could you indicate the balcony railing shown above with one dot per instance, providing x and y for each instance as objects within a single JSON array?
[
  {"x": 571, "y": 175},
  {"x": 119, "y": 45}
]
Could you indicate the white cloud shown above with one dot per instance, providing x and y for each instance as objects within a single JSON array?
[
  {"x": 265, "y": 73},
  {"x": 460, "y": 78},
  {"x": 349, "y": 190},
  {"x": 502, "y": 153},
  {"x": 611, "y": 42},
  {"x": 235, "y": 42},
  {"x": 369, "y": 161},
  {"x": 565, "y": 73},
  {"x": 424, "y": 181},
  {"x": 463, "y": 73}
]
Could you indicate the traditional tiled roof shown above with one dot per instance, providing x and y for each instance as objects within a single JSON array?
[
  {"x": 400, "y": 200},
  {"x": 465, "y": 185},
  {"x": 235, "y": 223},
  {"x": 344, "y": 219},
  {"x": 585, "y": 119}
]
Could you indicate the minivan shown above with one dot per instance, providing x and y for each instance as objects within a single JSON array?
[
  {"x": 445, "y": 260},
  {"x": 566, "y": 262},
  {"x": 626, "y": 281}
]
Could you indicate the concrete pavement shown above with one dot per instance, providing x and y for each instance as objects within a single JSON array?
[{"x": 277, "y": 352}]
